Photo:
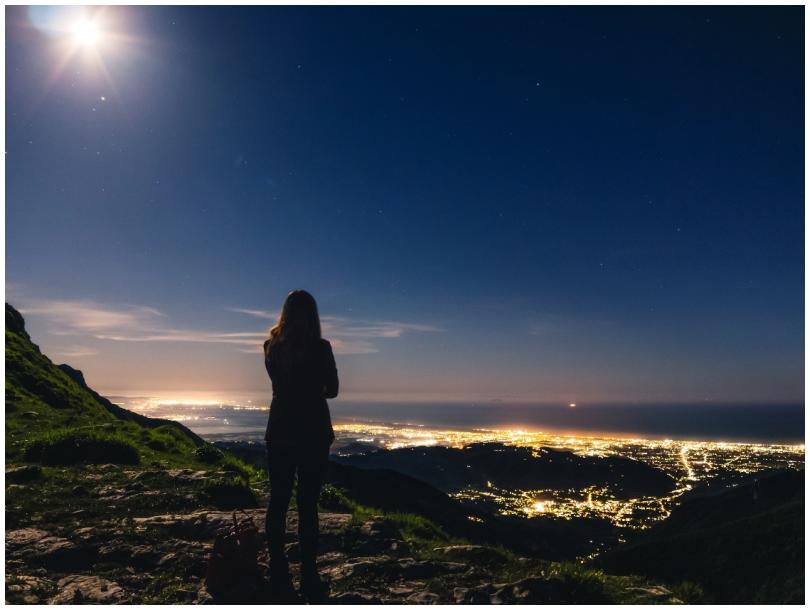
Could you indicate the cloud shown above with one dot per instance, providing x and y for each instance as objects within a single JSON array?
[
  {"x": 256, "y": 313},
  {"x": 141, "y": 324},
  {"x": 188, "y": 336},
  {"x": 134, "y": 323},
  {"x": 91, "y": 317},
  {"x": 76, "y": 351},
  {"x": 349, "y": 336}
]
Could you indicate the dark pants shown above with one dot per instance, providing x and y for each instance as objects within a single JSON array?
[{"x": 310, "y": 463}]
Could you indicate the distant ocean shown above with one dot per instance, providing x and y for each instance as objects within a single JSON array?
[{"x": 246, "y": 420}]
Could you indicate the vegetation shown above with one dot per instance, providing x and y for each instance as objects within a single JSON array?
[
  {"x": 53, "y": 418},
  {"x": 73, "y": 446}
]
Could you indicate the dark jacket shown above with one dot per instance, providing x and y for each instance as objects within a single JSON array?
[{"x": 302, "y": 381}]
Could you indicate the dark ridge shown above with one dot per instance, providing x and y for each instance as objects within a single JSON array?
[
  {"x": 125, "y": 414},
  {"x": 15, "y": 322},
  {"x": 742, "y": 545},
  {"x": 511, "y": 467}
]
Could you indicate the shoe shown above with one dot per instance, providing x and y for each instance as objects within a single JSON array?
[
  {"x": 281, "y": 588},
  {"x": 313, "y": 589}
]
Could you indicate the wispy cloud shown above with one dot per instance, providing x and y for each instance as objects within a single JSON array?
[
  {"x": 76, "y": 351},
  {"x": 141, "y": 324},
  {"x": 91, "y": 317},
  {"x": 256, "y": 313},
  {"x": 350, "y": 336},
  {"x": 188, "y": 336}
]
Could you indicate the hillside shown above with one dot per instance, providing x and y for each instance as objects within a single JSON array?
[
  {"x": 742, "y": 545},
  {"x": 53, "y": 417},
  {"x": 106, "y": 506}
]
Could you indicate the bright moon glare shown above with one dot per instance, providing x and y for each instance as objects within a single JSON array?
[{"x": 86, "y": 33}]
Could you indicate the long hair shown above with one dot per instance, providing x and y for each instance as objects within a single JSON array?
[{"x": 298, "y": 325}]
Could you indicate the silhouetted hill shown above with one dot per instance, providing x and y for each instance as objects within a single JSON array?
[
  {"x": 742, "y": 545},
  {"x": 125, "y": 414},
  {"x": 511, "y": 467},
  {"x": 51, "y": 414}
]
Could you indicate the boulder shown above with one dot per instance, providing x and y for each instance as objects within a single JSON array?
[
  {"x": 356, "y": 598},
  {"x": 423, "y": 597},
  {"x": 25, "y": 588},
  {"x": 23, "y": 474},
  {"x": 473, "y": 595},
  {"x": 35, "y": 546},
  {"x": 471, "y": 553},
  {"x": 84, "y": 589}
]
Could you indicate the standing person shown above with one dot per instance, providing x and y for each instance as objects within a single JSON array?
[{"x": 299, "y": 432}]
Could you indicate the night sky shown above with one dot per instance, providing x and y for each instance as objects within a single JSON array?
[{"x": 547, "y": 204}]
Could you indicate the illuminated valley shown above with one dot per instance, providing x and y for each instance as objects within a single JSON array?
[{"x": 690, "y": 463}]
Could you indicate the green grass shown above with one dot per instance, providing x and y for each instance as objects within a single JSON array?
[{"x": 70, "y": 446}]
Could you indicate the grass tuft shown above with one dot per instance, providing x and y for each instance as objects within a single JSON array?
[{"x": 65, "y": 447}]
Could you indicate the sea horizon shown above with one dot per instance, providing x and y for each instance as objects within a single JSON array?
[{"x": 244, "y": 417}]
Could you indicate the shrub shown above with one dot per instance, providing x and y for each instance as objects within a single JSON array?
[
  {"x": 81, "y": 447},
  {"x": 208, "y": 454},
  {"x": 333, "y": 498},
  {"x": 231, "y": 463},
  {"x": 156, "y": 444},
  {"x": 579, "y": 584},
  {"x": 229, "y": 494}
]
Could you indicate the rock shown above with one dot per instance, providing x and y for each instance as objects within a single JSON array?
[
  {"x": 475, "y": 573},
  {"x": 530, "y": 590},
  {"x": 204, "y": 597},
  {"x": 423, "y": 597},
  {"x": 360, "y": 566},
  {"x": 26, "y": 588},
  {"x": 399, "y": 547},
  {"x": 144, "y": 475},
  {"x": 411, "y": 568},
  {"x": 204, "y": 524},
  {"x": 29, "y": 414},
  {"x": 380, "y": 527},
  {"x": 355, "y": 597},
  {"x": 471, "y": 553},
  {"x": 167, "y": 558},
  {"x": 81, "y": 589},
  {"x": 15, "y": 322},
  {"x": 653, "y": 591},
  {"x": 23, "y": 474},
  {"x": 293, "y": 551},
  {"x": 144, "y": 556},
  {"x": 403, "y": 591},
  {"x": 39, "y": 547},
  {"x": 330, "y": 558},
  {"x": 85, "y": 533},
  {"x": 473, "y": 595},
  {"x": 141, "y": 556}
]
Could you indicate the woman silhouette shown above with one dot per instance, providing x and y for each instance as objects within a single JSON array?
[{"x": 299, "y": 432}]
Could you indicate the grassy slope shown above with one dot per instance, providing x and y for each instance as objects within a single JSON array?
[{"x": 43, "y": 403}]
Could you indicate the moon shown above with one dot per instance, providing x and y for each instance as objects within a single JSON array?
[{"x": 86, "y": 33}]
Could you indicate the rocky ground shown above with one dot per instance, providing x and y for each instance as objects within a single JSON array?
[{"x": 123, "y": 546}]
